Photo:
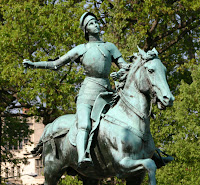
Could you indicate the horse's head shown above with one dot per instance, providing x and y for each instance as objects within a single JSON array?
[{"x": 150, "y": 76}]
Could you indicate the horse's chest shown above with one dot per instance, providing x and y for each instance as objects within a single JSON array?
[
  {"x": 130, "y": 143},
  {"x": 122, "y": 141}
]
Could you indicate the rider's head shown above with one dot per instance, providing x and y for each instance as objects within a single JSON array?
[{"x": 84, "y": 20}]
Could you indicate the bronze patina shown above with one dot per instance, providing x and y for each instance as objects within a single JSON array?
[{"x": 118, "y": 131}]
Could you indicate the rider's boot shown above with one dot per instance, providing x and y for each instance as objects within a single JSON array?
[{"x": 81, "y": 142}]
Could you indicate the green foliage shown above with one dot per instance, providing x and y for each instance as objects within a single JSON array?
[
  {"x": 69, "y": 180},
  {"x": 170, "y": 26},
  {"x": 112, "y": 181},
  {"x": 77, "y": 181},
  {"x": 14, "y": 131},
  {"x": 35, "y": 30},
  {"x": 177, "y": 131},
  {"x": 38, "y": 30}
]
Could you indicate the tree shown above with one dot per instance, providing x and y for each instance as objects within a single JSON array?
[
  {"x": 13, "y": 131},
  {"x": 35, "y": 30},
  {"x": 177, "y": 131},
  {"x": 40, "y": 29},
  {"x": 170, "y": 26}
]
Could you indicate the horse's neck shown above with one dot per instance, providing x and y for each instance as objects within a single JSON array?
[
  {"x": 135, "y": 81},
  {"x": 136, "y": 98},
  {"x": 132, "y": 105}
]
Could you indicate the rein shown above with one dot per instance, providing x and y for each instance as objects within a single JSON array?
[
  {"x": 130, "y": 106},
  {"x": 112, "y": 120}
]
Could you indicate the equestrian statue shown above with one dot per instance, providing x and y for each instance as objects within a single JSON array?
[{"x": 110, "y": 133}]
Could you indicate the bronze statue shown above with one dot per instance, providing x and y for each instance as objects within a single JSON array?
[
  {"x": 119, "y": 139},
  {"x": 96, "y": 57}
]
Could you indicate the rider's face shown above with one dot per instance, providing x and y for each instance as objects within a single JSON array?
[{"x": 93, "y": 27}]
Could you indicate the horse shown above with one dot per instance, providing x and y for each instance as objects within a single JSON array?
[{"x": 123, "y": 145}]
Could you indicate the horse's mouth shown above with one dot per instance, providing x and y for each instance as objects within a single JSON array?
[{"x": 160, "y": 105}]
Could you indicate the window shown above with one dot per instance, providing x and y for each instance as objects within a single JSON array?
[
  {"x": 15, "y": 147},
  {"x": 26, "y": 141},
  {"x": 12, "y": 172},
  {"x": 18, "y": 171},
  {"x": 20, "y": 144},
  {"x": 6, "y": 172},
  {"x": 39, "y": 167},
  {"x": 10, "y": 147}
]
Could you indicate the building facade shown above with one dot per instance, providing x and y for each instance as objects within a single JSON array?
[{"x": 32, "y": 173}]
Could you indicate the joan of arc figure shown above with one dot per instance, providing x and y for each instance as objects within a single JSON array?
[{"x": 96, "y": 57}]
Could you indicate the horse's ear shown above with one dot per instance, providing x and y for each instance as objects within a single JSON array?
[
  {"x": 142, "y": 52},
  {"x": 155, "y": 51}
]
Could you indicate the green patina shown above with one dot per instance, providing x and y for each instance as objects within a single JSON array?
[{"x": 123, "y": 145}]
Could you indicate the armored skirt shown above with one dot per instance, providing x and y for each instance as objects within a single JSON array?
[{"x": 91, "y": 88}]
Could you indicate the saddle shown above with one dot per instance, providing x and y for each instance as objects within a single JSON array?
[
  {"x": 62, "y": 127},
  {"x": 101, "y": 106}
]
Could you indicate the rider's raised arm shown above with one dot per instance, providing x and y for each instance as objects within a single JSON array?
[
  {"x": 71, "y": 55},
  {"x": 56, "y": 64}
]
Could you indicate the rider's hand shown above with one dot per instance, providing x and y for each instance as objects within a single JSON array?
[
  {"x": 28, "y": 63},
  {"x": 121, "y": 72},
  {"x": 114, "y": 75}
]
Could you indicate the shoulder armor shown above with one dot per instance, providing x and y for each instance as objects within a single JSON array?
[{"x": 113, "y": 50}]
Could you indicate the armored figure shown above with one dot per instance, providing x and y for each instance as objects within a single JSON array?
[{"x": 96, "y": 57}]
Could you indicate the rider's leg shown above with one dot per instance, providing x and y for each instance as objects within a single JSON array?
[{"x": 84, "y": 127}]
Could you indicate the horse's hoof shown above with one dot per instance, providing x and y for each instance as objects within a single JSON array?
[{"x": 85, "y": 163}]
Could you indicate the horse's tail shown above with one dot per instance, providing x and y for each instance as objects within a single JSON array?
[{"x": 38, "y": 149}]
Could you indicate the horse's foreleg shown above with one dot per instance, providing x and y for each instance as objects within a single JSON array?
[
  {"x": 131, "y": 166},
  {"x": 136, "y": 179},
  {"x": 52, "y": 172},
  {"x": 89, "y": 181}
]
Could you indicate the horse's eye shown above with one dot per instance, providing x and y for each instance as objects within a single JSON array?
[{"x": 150, "y": 70}]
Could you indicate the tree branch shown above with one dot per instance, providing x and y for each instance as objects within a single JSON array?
[
  {"x": 13, "y": 106},
  {"x": 154, "y": 25},
  {"x": 70, "y": 67},
  {"x": 179, "y": 27},
  {"x": 110, "y": 3},
  {"x": 174, "y": 41},
  {"x": 179, "y": 37},
  {"x": 149, "y": 40}
]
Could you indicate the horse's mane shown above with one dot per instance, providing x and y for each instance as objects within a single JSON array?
[
  {"x": 120, "y": 82},
  {"x": 124, "y": 71},
  {"x": 122, "y": 76}
]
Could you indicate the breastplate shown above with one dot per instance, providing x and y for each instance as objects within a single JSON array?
[{"x": 97, "y": 60}]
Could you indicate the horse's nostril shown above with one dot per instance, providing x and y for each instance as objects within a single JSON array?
[
  {"x": 165, "y": 97},
  {"x": 168, "y": 100}
]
